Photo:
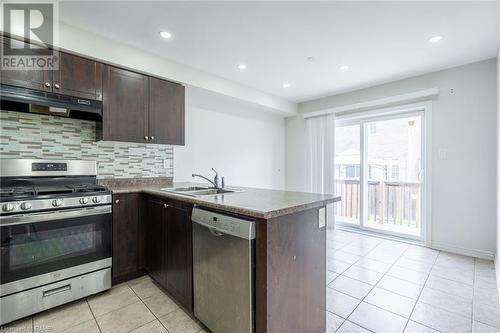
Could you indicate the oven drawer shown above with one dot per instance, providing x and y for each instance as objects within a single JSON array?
[{"x": 31, "y": 301}]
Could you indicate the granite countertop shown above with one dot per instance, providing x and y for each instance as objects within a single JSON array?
[{"x": 258, "y": 203}]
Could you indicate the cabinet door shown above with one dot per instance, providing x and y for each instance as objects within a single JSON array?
[
  {"x": 78, "y": 76},
  {"x": 33, "y": 79},
  {"x": 179, "y": 254},
  {"x": 125, "y": 105},
  {"x": 155, "y": 240},
  {"x": 166, "y": 112},
  {"x": 128, "y": 235}
]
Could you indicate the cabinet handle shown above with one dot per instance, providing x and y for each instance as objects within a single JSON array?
[
  {"x": 146, "y": 137},
  {"x": 117, "y": 201},
  {"x": 47, "y": 84},
  {"x": 165, "y": 206},
  {"x": 57, "y": 86},
  {"x": 152, "y": 138}
]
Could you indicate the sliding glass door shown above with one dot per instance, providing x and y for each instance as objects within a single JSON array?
[{"x": 379, "y": 174}]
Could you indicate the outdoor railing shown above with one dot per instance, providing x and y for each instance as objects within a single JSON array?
[{"x": 389, "y": 202}]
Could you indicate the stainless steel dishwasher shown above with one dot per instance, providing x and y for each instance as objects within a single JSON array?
[{"x": 223, "y": 252}]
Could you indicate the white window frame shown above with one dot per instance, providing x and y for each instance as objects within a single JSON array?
[{"x": 423, "y": 109}]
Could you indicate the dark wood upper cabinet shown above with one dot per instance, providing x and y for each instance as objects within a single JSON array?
[
  {"x": 179, "y": 254},
  {"x": 128, "y": 236},
  {"x": 166, "y": 112},
  {"x": 33, "y": 79},
  {"x": 125, "y": 106},
  {"x": 78, "y": 77}
]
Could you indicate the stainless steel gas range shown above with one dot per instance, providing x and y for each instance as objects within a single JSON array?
[{"x": 55, "y": 235}]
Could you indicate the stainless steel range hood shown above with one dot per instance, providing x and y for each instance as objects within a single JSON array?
[{"x": 35, "y": 101}]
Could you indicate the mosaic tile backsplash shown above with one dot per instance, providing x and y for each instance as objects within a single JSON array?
[{"x": 25, "y": 135}]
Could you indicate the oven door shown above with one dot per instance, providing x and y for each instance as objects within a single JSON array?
[{"x": 40, "y": 248}]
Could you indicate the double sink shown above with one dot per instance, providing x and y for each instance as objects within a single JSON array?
[{"x": 199, "y": 191}]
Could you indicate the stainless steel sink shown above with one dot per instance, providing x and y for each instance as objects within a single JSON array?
[{"x": 198, "y": 191}]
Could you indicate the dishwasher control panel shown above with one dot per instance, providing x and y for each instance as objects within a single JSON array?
[{"x": 224, "y": 223}]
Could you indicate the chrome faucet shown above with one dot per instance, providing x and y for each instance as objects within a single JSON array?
[{"x": 215, "y": 182}]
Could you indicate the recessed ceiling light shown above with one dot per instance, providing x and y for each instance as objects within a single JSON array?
[
  {"x": 311, "y": 59},
  {"x": 344, "y": 68},
  {"x": 435, "y": 39},
  {"x": 165, "y": 34},
  {"x": 286, "y": 85},
  {"x": 242, "y": 67}
]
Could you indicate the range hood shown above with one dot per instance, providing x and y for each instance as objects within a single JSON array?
[{"x": 35, "y": 101}]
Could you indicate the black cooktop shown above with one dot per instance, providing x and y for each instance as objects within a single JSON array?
[{"x": 22, "y": 192}]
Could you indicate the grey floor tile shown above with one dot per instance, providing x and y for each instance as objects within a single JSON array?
[
  {"x": 363, "y": 275},
  {"x": 373, "y": 265},
  {"x": 486, "y": 296},
  {"x": 160, "y": 304},
  {"x": 349, "y": 327},
  {"x": 377, "y": 320},
  {"x": 86, "y": 327},
  {"x": 330, "y": 276},
  {"x": 144, "y": 287},
  {"x": 487, "y": 314},
  {"x": 390, "y": 301},
  {"x": 333, "y": 322},
  {"x": 351, "y": 287},
  {"x": 450, "y": 287},
  {"x": 401, "y": 287},
  {"x": 337, "y": 266},
  {"x": 440, "y": 320},
  {"x": 348, "y": 258},
  {"x": 483, "y": 282},
  {"x": 478, "y": 327},
  {"x": 152, "y": 327},
  {"x": 118, "y": 297},
  {"x": 407, "y": 274},
  {"x": 339, "y": 303},
  {"x": 63, "y": 317},
  {"x": 442, "y": 300},
  {"x": 125, "y": 319},
  {"x": 422, "y": 254},
  {"x": 414, "y": 327},
  {"x": 420, "y": 266},
  {"x": 454, "y": 274},
  {"x": 179, "y": 322}
]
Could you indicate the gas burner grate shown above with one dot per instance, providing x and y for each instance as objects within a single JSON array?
[{"x": 22, "y": 191}]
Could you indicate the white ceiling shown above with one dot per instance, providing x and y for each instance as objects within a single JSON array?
[{"x": 380, "y": 41}]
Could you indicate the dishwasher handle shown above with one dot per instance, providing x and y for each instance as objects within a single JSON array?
[{"x": 220, "y": 224}]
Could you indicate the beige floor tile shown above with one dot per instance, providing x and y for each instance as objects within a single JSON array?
[
  {"x": 125, "y": 319},
  {"x": 86, "y": 327},
  {"x": 180, "y": 322},
  {"x": 21, "y": 325},
  {"x": 144, "y": 287},
  {"x": 63, "y": 317},
  {"x": 152, "y": 327},
  {"x": 116, "y": 298},
  {"x": 160, "y": 304}
]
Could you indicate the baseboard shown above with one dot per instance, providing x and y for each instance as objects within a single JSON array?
[{"x": 488, "y": 255}]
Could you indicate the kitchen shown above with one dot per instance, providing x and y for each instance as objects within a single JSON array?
[{"x": 143, "y": 191}]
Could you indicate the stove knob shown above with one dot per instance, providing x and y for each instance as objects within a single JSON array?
[
  {"x": 26, "y": 205},
  {"x": 96, "y": 199},
  {"x": 83, "y": 201},
  {"x": 8, "y": 207},
  {"x": 57, "y": 202}
]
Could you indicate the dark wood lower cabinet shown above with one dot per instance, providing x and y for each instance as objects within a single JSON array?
[
  {"x": 169, "y": 247},
  {"x": 128, "y": 237}
]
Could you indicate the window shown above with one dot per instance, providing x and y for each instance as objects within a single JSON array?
[{"x": 395, "y": 172}]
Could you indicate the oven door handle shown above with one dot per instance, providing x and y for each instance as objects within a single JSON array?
[{"x": 51, "y": 216}]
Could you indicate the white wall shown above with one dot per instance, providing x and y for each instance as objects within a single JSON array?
[
  {"x": 248, "y": 148},
  {"x": 464, "y": 126}
]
